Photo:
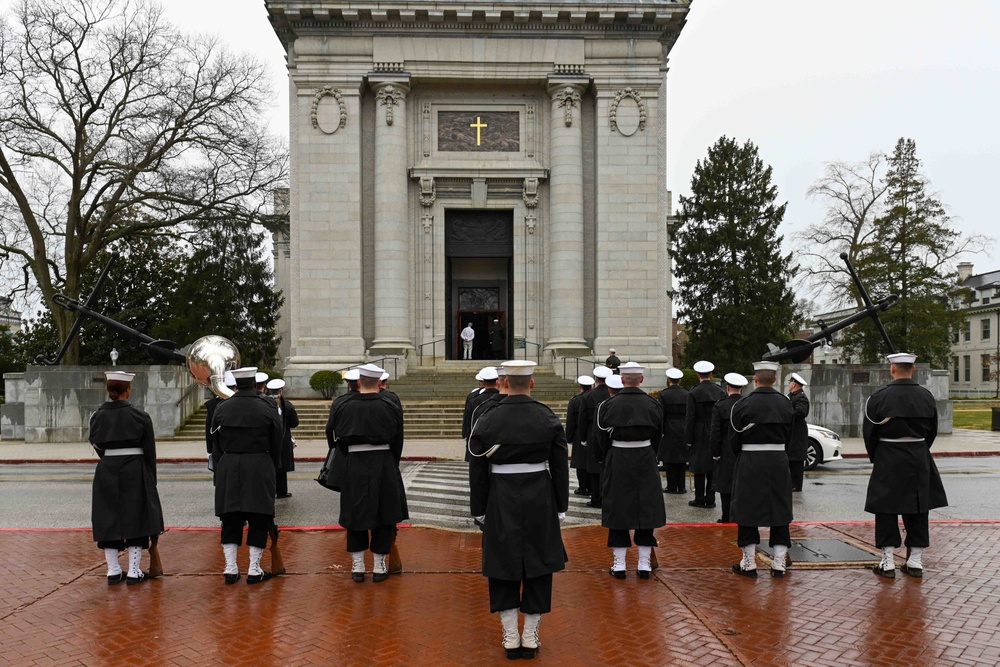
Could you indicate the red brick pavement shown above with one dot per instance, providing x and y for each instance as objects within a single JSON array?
[{"x": 57, "y": 609}]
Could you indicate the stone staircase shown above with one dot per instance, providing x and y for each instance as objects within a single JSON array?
[{"x": 433, "y": 399}]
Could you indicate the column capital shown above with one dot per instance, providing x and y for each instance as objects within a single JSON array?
[
  {"x": 557, "y": 83},
  {"x": 398, "y": 81}
]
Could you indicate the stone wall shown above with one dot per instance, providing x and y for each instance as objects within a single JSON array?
[
  {"x": 837, "y": 394},
  {"x": 55, "y": 403}
]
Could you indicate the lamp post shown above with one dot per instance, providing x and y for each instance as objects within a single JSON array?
[{"x": 114, "y": 356}]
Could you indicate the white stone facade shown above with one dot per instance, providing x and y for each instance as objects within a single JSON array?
[{"x": 375, "y": 177}]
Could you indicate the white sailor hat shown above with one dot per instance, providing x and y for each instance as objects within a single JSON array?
[
  {"x": 612, "y": 350},
  {"x": 276, "y": 384},
  {"x": 766, "y": 366},
  {"x": 479, "y": 377},
  {"x": 902, "y": 358},
  {"x": 704, "y": 367},
  {"x": 384, "y": 376},
  {"x": 260, "y": 378},
  {"x": 501, "y": 371},
  {"x": 602, "y": 372},
  {"x": 488, "y": 373},
  {"x": 631, "y": 368},
  {"x": 121, "y": 376},
  {"x": 245, "y": 373},
  {"x": 585, "y": 380},
  {"x": 351, "y": 375},
  {"x": 795, "y": 377},
  {"x": 675, "y": 373},
  {"x": 228, "y": 379},
  {"x": 371, "y": 371},
  {"x": 615, "y": 382},
  {"x": 519, "y": 367},
  {"x": 735, "y": 380}
]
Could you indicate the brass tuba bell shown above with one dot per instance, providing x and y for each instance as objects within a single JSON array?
[{"x": 209, "y": 358}]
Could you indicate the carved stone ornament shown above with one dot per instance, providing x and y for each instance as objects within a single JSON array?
[
  {"x": 621, "y": 95},
  {"x": 568, "y": 98},
  {"x": 428, "y": 191},
  {"x": 335, "y": 93},
  {"x": 530, "y": 220},
  {"x": 389, "y": 97},
  {"x": 530, "y": 195}
]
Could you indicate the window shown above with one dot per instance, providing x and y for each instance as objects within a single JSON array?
[
  {"x": 986, "y": 368},
  {"x": 985, "y": 324},
  {"x": 955, "y": 368},
  {"x": 986, "y": 300},
  {"x": 968, "y": 367},
  {"x": 954, "y": 336},
  {"x": 967, "y": 332}
]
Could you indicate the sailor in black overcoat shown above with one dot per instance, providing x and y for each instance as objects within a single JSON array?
[
  {"x": 698, "y": 420},
  {"x": 762, "y": 485},
  {"x": 591, "y": 400},
  {"x": 488, "y": 392},
  {"x": 367, "y": 428},
  {"x": 126, "y": 511},
  {"x": 289, "y": 420},
  {"x": 800, "y": 429},
  {"x": 519, "y": 483},
  {"x": 899, "y": 428},
  {"x": 576, "y": 436},
  {"x": 467, "y": 410},
  {"x": 720, "y": 441},
  {"x": 246, "y": 433},
  {"x": 629, "y": 427},
  {"x": 674, "y": 451}
]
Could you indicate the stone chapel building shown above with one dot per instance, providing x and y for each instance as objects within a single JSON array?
[{"x": 461, "y": 161}]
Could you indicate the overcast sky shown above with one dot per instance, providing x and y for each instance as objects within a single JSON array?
[{"x": 808, "y": 82}]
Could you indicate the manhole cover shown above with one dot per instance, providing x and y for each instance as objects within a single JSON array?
[{"x": 818, "y": 553}]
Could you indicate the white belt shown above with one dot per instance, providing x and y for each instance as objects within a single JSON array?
[
  {"x": 763, "y": 448},
  {"x": 127, "y": 451},
  {"x": 583, "y": 443},
  {"x": 367, "y": 448},
  {"x": 904, "y": 439},
  {"x": 512, "y": 468},
  {"x": 630, "y": 444}
]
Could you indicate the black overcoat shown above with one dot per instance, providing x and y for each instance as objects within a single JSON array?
[
  {"x": 592, "y": 399},
  {"x": 574, "y": 434},
  {"x": 630, "y": 483},
  {"x": 371, "y": 492},
  {"x": 467, "y": 412},
  {"x": 698, "y": 421},
  {"x": 521, "y": 535},
  {"x": 489, "y": 395},
  {"x": 904, "y": 478},
  {"x": 289, "y": 420},
  {"x": 762, "y": 483},
  {"x": 246, "y": 433},
  {"x": 125, "y": 500},
  {"x": 721, "y": 444},
  {"x": 800, "y": 430},
  {"x": 673, "y": 446}
]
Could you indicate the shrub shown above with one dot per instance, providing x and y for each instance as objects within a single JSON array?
[{"x": 325, "y": 382}]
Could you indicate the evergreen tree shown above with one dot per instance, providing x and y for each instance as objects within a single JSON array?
[
  {"x": 908, "y": 257},
  {"x": 733, "y": 280}
]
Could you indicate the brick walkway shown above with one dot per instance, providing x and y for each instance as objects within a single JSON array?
[{"x": 57, "y": 609}]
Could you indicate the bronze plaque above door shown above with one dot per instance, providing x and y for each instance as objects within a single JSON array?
[{"x": 479, "y": 233}]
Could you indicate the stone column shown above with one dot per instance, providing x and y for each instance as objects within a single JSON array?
[
  {"x": 565, "y": 229},
  {"x": 392, "y": 233}
]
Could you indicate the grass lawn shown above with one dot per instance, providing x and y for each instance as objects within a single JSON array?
[{"x": 979, "y": 418}]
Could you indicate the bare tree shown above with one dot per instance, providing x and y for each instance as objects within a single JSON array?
[
  {"x": 853, "y": 194},
  {"x": 113, "y": 123}
]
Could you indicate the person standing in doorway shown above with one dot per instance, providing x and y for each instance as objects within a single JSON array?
[
  {"x": 468, "y": 335},
  {"x": 498, "y": 340}
]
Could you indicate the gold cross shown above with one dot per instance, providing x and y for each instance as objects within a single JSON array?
[{"x": 479, "y": 125}]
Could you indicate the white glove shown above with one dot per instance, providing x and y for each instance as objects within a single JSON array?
[
  {"x": 562, "y": 516},
  {"x": 481, "y": 519}
]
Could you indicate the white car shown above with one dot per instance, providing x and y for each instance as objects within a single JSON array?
[{"x": 823, "y": 446}]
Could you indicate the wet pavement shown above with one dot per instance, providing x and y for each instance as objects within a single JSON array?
[{"x": 58, "y": 610}]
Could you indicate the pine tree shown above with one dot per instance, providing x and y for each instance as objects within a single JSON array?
[
  {"x": 733, "y": 280},
  {"x": 908, "y": 256}
]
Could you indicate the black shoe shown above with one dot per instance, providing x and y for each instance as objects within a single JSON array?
[
  {"x": 917, "y": 572},
  {"x": 722, "y": 521},
  {"x": 231, "y": 578},
  {"x": 778, "y": 574},
  {"x": 752, "y": 574},
  {"x": 283, "y": 495},
  {"x": 581, "y": 492},
  {"x": 617, "y": 574},
  {"x": 258, "y": 578},
  {"x": 644, "y": 574},
  {"x": 708, "y": 506},
  {"x": 529, "y": 653},
  {"x": 115, "y": 578},
  {"x": 514, "y": 653},
  {"x": 697, "y": 502},
  {"x": 889, "y": 574},
  {"x": 131, "y": 581},
  {"x": 591, "y": 504},
  {"x": 358, "y": 577},
  {"x": 379, "y": 576}
]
